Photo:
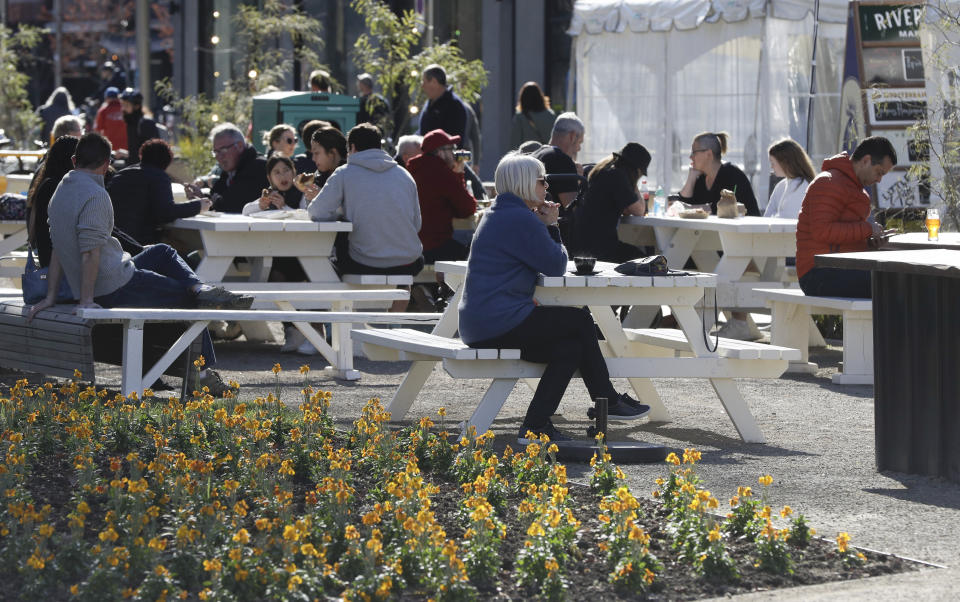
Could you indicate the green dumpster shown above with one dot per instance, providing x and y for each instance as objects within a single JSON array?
[{"x": 296, "y": 108}]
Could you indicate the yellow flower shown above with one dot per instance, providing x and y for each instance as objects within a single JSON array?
[
  {"x": 242, "y": 536},
  {"x": 304, "y": 369},
  {"x": 765, "y": 480},
  {"x": 212, "y": 565},
  {"x": 535, "y": 529},
  {"x": 714, "y": 534},
  {"x": 442, "y": 412},
  {"x": 294, "y": 581},
  {"x": 277, "y": 368},
  {"x": 75, "y": 588},
  {"x": 673, "y": 459},
  {"x": 787, "y": 511},
  {"x": 843, "y": 542}
]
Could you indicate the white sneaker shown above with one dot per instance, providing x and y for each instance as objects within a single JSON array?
[
  {"x": 292, "y": 339},
  {"x": 307, "y": 348},
  {"x": 736, "y": 329}
]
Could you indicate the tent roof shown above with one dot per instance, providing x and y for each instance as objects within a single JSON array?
[{"x": 598, "y": 16}]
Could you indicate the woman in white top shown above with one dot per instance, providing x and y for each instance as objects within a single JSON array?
[{"x": 789, "y": 161}]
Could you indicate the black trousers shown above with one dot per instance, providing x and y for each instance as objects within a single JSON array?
[
  {"x": 836, "y": 282},
  {"x": 563, "y": 338}
]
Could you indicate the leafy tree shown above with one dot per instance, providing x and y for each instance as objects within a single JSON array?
[
  {"x": 387, "y": 51},
  {"x": 263, "y": 65},
  {"x": 17, "y": 117},
  {"x": 938, "y": 134}
]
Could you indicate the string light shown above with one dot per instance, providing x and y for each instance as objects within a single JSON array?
[
  {"x": 214, "y": 40},
  {"x": 252, "y": 74}
]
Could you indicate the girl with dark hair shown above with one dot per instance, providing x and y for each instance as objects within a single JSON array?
[
  {"x": 709, "y": 175},
  {"x": 329, "y": 149},
  {"x": 533, "y": 119},
  {"x": 58, "y": 162},
  {"x": 282, "y": 194}
]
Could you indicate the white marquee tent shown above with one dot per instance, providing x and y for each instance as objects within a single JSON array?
[{"x": 660, "y": 71}]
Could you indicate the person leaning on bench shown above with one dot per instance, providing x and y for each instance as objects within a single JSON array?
[
  {"x": 834, "y": 219},
  {"x": 81, "y": 222},
  {"x": 516, "y": 241}
]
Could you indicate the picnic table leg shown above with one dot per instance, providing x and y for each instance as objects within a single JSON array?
[
  {"x": 857, "y": 349},
  {"x": 185, "y": 340},
  {"x": 737, "y": 409},
  {"x": 676, "y": 245},
  {"x": 789, "y": 327},
  {"x": 617, "y": 342},
  {"x": 493, "y": 399},
  {"x": 409, "y": 389},
  {"x": 132, "y": 357},
  {"x": 213, "y": 269},
  {"x": 343, "y": 343}
]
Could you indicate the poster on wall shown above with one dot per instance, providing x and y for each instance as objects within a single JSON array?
[
  {"x": 896, "y": 190},
  {"x": 896, "y": 106}
]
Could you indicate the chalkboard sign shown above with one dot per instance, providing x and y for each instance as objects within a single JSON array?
[
  {"x": 890, "y": 22},
  {"x": 912, "y": 64},
  {"x": 896, "y": 106}
]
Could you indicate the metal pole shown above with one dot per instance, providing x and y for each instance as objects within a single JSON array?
[
  {"x": 429, "y": 10},
  {"x": 813, "y": 76},
  {"x": 58, "y": 43},
  {"x": 143, "y": 52}
]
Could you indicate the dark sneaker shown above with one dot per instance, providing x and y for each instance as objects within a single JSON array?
[
  {"x": 217, "y": 297},
  {"x": 213, "y": 382},
  {"x": 625, "y": 407},
  {"x": 549, "y": 430}
]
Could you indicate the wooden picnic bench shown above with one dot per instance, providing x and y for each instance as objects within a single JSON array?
[
  {"x": 42, "y": 335},
  {"x": 636, "y": 354},
  {"x": 791, "y": 311}
]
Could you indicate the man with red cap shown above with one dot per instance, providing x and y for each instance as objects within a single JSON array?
[{"x": 443, "y": 195}]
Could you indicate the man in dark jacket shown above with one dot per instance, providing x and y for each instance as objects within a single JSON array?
[
  {"x": 243, "y": 173},
  {"x": 139, "y": 128},
  {"x": 443, "y": 196},
  {"x": 444, "y": 110},
  {"x": 142, "y": 198}
]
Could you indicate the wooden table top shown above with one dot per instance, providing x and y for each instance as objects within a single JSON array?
[{"x": 922, "y": 262}]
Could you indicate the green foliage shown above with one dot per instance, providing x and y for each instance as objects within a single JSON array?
[
  {"x": 259, "y": 33},
  {"x": 387, "y": 50},
  {"x": 17, "y": 117}
]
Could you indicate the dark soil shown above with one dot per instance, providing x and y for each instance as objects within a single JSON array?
[{"x": 587, "y": 573}]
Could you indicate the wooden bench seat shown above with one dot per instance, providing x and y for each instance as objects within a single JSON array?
[
  {"x": 377, "y": 279},
  {"x": 504, "y": 366},
  {"x": 791, "y": 310},
  {"x": 133, "y": 320}
]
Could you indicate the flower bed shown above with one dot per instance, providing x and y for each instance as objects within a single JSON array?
[{"x": 108, "y": 498}]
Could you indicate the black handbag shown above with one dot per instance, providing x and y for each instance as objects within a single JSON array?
[
  {"x": 34, "y": 283},
  {"x": 654, "y": 265}
]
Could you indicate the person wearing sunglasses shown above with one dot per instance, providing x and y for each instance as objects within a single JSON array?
[
  {"x": 709, "y": 175},
  {"x": 517, "y": 240},
  {"x": 282, "y": 139}
]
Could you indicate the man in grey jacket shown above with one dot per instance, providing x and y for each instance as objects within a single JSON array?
[
  {"x": 380, "y": 198},
  {"x": 98, "y": 270}
]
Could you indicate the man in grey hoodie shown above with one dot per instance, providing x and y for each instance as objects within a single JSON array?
[{"x": 380, "y": 198}]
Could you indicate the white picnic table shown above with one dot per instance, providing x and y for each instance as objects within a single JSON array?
[
  {"x": 766, "y": 241},
  {"x": 635, "y": 354},
  {"x": 13, "y": 235},
  {"x": 227, "y": 236}
]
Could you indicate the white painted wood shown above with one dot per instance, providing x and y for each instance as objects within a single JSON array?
[
  {"x": 733, "y": 348},
  {"x": 178, "y": 347},
  {"x": 119, "y": 314},
  {"x": 628, "y": 367},
  {"x": 132, "y": 373},
  {"x": 488, "y": 408},
  {"x": 736, "y": 407},
  {"x": 791, "y": 310}
]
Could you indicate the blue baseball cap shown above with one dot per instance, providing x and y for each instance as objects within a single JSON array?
[{"x": 111, "y": 92}]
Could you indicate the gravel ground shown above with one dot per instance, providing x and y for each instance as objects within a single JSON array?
[{"x": 819, "y": 449}]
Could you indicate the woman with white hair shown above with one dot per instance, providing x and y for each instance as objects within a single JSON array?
[{"x": 517, "y": 240}]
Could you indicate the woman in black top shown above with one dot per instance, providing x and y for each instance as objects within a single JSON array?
[
  {"x": 611, "y": 192},
  {"x": 57, "y": 162},
  {"x": 708, "y": 175}
]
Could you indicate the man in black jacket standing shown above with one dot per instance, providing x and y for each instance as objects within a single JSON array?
[
  {"x": 243, "y": 173},
  {"x": 444, "y": 110}
]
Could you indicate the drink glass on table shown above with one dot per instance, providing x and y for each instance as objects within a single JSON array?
[{"x": 933, "y": 224}]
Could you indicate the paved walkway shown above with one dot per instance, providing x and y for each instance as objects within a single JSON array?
[{"x": 819, "y": 451}]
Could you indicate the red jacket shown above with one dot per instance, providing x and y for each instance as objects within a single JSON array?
[
  {"x": 833, "y": 217},
  {"x": 110, "y": 123},
  {"x": 443, "y": 196}
]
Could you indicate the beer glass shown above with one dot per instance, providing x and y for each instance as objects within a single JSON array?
[{"x": 933, "y": 224}]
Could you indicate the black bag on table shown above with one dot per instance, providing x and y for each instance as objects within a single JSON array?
[{"x": 653, "y": 265}]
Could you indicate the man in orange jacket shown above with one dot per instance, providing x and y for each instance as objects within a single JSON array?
[{"x": 834, "y": 218}]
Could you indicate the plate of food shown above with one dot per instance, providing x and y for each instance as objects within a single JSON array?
[{"x": 693, "y": 214}]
